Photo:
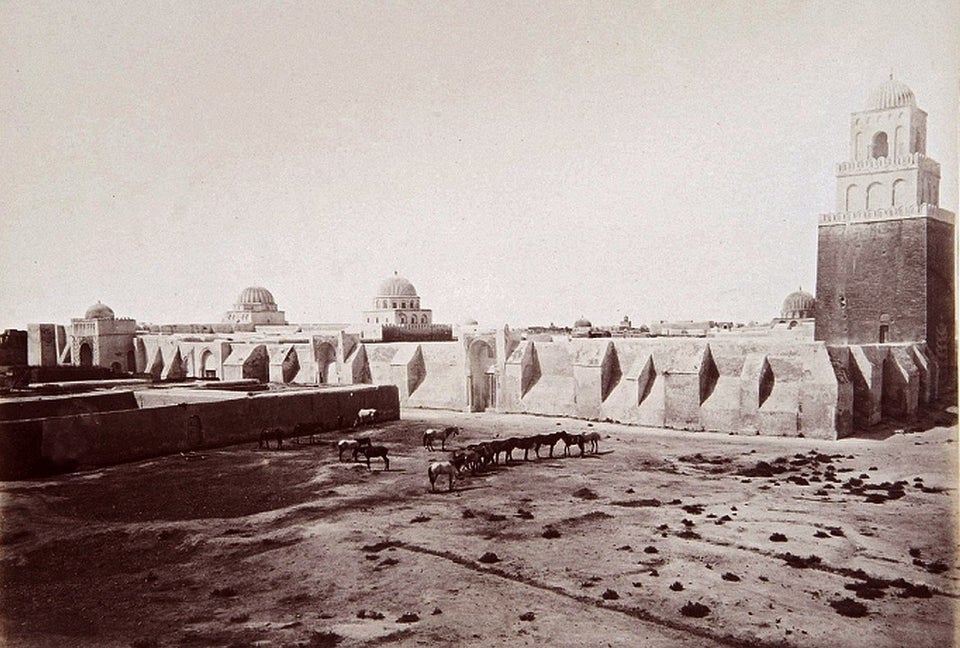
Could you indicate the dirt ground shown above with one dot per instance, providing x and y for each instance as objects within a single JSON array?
[{"x": 659, "y": 539}]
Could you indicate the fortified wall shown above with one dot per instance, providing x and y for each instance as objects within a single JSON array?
[{"x": 755, "y": 386}]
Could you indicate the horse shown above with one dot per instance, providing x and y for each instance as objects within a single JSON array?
[
  {"x": 496, "y": 447},
  {"x": 430, "y": 435},
  {"x": 569, "y": 440},
  {"x": 306, "y": 429},
  {"x": 438, "y": 468},
  {"x": 374, "y": 451},
  {"x": 353, "y": 445},
  {"x": 593, "y": 438},
  {"x": 269, "y": 433},
  {"x": 526, "y": 444},
  {"x": 547, "y": 440},
  {"x": 366, "y": 416}
]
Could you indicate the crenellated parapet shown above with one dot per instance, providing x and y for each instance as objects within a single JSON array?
[
  {"x": 900, "y": 162},
  {"x": 888, "y": 213}
]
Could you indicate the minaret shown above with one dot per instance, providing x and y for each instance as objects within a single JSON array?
[{"x": 885, "y": 259}]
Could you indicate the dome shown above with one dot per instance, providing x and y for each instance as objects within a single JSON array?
[
  {"x": 255, "y": 295},
  {"x": 396, "y": 286},
  {"x": 99, "y": 311},
  {"x": 469, "y": 322},
  {"x": 891, "y": 94},
  {"x": 798, "y": 304},
  {"x": 582, "y": 323}
]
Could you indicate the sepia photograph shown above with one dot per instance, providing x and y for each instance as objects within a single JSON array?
[{"x": 413, "y": 323}]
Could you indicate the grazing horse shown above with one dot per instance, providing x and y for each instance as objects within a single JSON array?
[
  {"x": 593, "y": 438},
  {"x": 269, "y": 433},
  {"x": 369, "y": 451},
  {"x": 366, "y": 416},
  {"x": 547, "y": 440},
  {"x": 569, "y": 440},
  {"x": 351, "y": 445},
  {"x": 431, "y": 435},
  {"x": 438, "y": 468}
]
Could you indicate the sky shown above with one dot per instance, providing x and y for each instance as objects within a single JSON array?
[{"x": 518, "y": 162}]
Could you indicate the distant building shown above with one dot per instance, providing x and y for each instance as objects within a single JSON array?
[
  {"x": 396, "y": 315},
  {"x": 100, "y": 339},
  {"x": 13, "y": 348},
  {"x": 255, "y": 307},
  {"x": 796, "y": 315},
  {"x": 584, "y": 328}
]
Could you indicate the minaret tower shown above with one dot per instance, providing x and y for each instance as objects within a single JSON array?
[{"x": 885, "y": 259}]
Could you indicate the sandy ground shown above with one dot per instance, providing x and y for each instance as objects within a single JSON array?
[{"x": 659, "y": 539}]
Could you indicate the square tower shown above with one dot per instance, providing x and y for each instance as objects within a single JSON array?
[{"x": 885, "y": 257}]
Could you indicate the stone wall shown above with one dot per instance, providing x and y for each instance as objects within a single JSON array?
[
  {"x": 746, "y": 386},
  {"x": 39, "y": 446}
]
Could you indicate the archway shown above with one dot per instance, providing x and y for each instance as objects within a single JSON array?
[
  {"x": 207, "y": 368},
  {"x": 86, "y": 355},
  {"x": 327, "y": 364},
  {"x": 880, "y": 147},
  {"x": 131, "y": 361},
  {"x": 481, "y": 379}
]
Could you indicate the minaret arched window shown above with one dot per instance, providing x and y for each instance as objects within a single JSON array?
[
  {"x": 851, "y": 201},
  {"x": 875, "y": 196},
  {"x": 880, "y": 147},
  {"x": 900, "y": 188}
]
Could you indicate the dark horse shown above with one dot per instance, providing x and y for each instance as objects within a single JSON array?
[
  {"x": 271, "y": 433},
  {"x": 547, "y": 440},
  {"x": 569, "y": 440},
  {"x": 374, "y": 451}
]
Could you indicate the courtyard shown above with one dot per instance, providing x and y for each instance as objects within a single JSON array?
[{"x": 659, "y": 538}]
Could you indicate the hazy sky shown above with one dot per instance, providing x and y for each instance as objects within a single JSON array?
[{"x": 524, "y": 162}]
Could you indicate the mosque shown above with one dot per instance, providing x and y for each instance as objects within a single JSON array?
[{"x": 877, "y": 340}]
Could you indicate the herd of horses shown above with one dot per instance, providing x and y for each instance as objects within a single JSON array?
[
  {"x": 278, "y": 433},
  {"x": 485, "y": 454},
  {"x": 471, "y": 458}
]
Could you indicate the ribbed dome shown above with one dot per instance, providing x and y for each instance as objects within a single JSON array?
[
  {"x": 396, "y": 287},
  {"x": 798, "y": 304},
  {"x": 255, "y": 295},
  {"x": 582, "y": 323},
  {"x": 891, "y": 94},
  {"x": 99, "y": 311}
]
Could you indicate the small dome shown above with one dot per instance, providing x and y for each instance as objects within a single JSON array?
[
  {"x": 582, "y": 323},
  {"x": 396, "y": 286},
  {"x": 798, "y": 304},
  {"x": 891, "y": 94},
  {"x": 99, "y": 311},
  {"x": 255, "y": 295},
  {"x": 469, "y": 322}
]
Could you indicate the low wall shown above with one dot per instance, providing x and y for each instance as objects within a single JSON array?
[
  {"x": 34, "y": 447},
  {"x": 51, "y": 406}
]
